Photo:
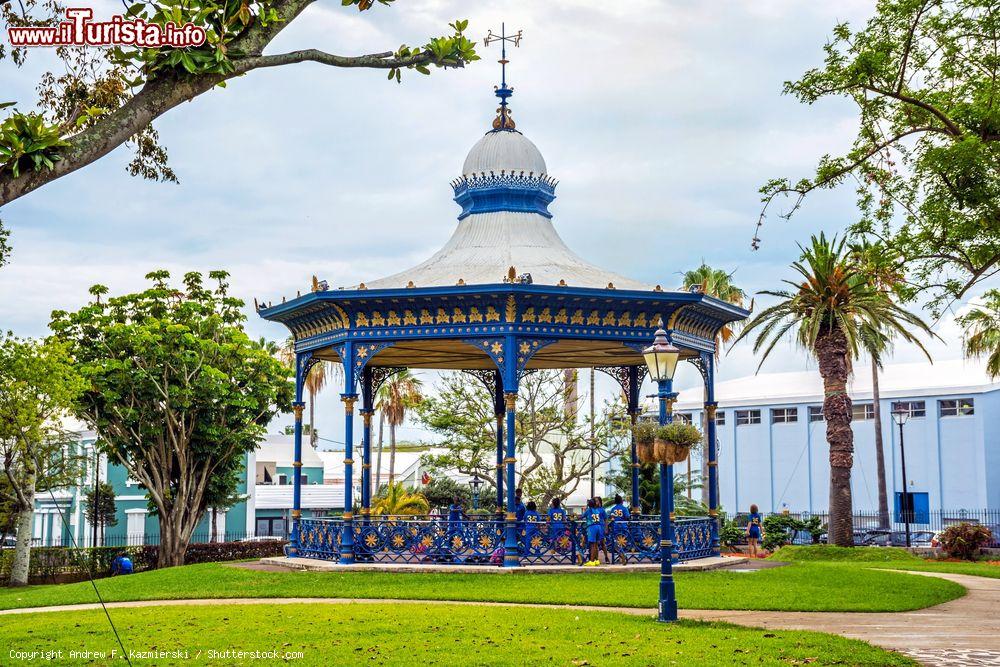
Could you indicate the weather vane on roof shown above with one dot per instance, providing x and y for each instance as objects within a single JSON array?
[{"x": 503, "y": 121}]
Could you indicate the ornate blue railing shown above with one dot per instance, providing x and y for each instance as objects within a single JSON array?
[{"x": 480, "y": 542}]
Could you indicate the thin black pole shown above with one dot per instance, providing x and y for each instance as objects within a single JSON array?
[{"x": 905, "y": 499}]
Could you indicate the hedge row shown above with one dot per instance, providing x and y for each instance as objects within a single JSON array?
[{"x": 49, "y": 562}]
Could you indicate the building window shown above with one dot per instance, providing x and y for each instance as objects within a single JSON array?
[
  {"x": 683, "y": 417},
  {"x": 959, "y": 407},
  {"x": 784, "y": 415},
  {"x": 282, "y": 479},
  {"x": 720, "y": 418},
  {"x": 745, "y": 417},
  {"x": 912, "y": 408},
  {"x": 862, "y": 411},
  {"x": 305, "y": 479},
  {"x": 815, "y": 413}
]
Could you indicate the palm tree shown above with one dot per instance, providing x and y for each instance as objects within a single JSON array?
[
  {"x": 883, "y": 267},
  {"x": 315, "y": 381},
  {"x": 399, "y": 393},
  {"x": 982, "y": 331},
  {"x": 719, "y": 284},
  {"x": 398, "y": 501},
  {"x": 836, "y": 312}
]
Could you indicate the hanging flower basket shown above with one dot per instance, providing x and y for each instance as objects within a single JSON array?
[
  {"x": 644, "y": 434},
  {"x": 672, "y": 443}
]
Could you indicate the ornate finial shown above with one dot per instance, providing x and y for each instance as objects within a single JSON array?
[
  {"x": 461, "y": 281},
  {"x": 511, "y": 274},
  {"x": 362, "y": 286},
  {"x": 410, "y": 284},
  {"x": 503, "y": 121}
]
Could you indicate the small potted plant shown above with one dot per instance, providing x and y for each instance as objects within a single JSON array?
[
  {"x": 673, "y": 442},
  {"x": 644, "y": 435}
]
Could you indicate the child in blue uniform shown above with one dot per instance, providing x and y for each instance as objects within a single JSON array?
[
  {"x": 531, "y": 521},
  {"x": 755, "y": 530},
  {"x": 592, "y": 521},
  {"x": 618, "y": 517},
  {"x": 603, "y": 543},
  {"x": 557, "y": 523}
]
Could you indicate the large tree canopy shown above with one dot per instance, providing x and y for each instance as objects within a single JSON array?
[
  {"x": 926, "y": 158},
  {"x": 177, "y": 392},
  {"x": 104, "y": 98}
]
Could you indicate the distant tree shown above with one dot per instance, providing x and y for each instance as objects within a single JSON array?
[
  {"x": 719, "y": 284},
  {"x": 177, "y": 391},
  {"x": 442, "y": 491},
  {"x": 103, "y": 512},
  {"x": 396, "y": 500},
  {"x": 38, "y": 385},
  {"x": 926, "y": 158},
  {"x": 100, "y": 99},
  {"x": 982, "y": 331},
  {"x": 835, "y": 312},
  {"x": 400, "y": 393},
  {"x": 554, "y": 450}
]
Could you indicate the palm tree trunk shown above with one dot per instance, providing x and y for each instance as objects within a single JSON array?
[
  {"x": 312, "y": 414},
  {"x": 378, "y": 457},
  {"x": 832, "y": 354},
  {"x": 392, "y": 453},
  {"x": 883, "y": 501}
]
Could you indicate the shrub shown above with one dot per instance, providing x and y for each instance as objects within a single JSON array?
[
  {"x": 645, "y": 431},
  {"x": 49, "y": 562},
  {"x": 679, "y": 433},
  {"x": 964, "y": 540},
  {"x": 730, "y": 533}
]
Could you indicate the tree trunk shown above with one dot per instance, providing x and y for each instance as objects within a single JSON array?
[
  {"x": 832, "y": 354},
  {"x": 378, "y": 457},
  {"x": 22, "y": 549},
  {"x": 215, "y": 530},
  {"x": 883, "y": 501},
  {"x": 173, "y": 543},
  {"x": 392, "y": 453}
]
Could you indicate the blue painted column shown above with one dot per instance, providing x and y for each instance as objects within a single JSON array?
[
  {"x": 633, "y": 411},
  {"x": 347, "y": 535},
  {"x": 367, "y": 410},
  {"x": 293, "y": 542},
  {"x": 510, "y": 558},
  {"x": 711, "y": 407},
  {"x": 498, "y": 407},
  {"x": 668, "y": 594}
]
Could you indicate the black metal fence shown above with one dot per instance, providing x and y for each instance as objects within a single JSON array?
[{"x": 931, "y": 521}]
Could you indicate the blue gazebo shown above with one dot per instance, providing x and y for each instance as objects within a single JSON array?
[{"x": 503, "y": 297}]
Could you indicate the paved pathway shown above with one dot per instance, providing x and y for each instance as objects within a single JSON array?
[{"x": 962, "y": 632}]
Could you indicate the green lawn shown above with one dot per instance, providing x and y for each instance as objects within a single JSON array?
[
  {"x": 797, "y": 587},
  {"x": 882, "y": 557},
  {"x": 409, "y": 634}
]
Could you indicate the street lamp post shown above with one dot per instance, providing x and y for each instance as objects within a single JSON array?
[
  {"x": 900, "y": 415},
  {"x": 476, "y": 483},
  {"x": 661, "y": 359}
]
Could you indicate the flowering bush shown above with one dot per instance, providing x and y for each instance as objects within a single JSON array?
[{"x": 964, "y": 540}]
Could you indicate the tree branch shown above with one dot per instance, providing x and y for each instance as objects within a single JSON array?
[{"x": 374, "y": 60}]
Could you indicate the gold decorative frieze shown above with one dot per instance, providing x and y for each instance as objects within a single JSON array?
[
  {"x": 458, "y": 317},
  {"x": 393, "y": 319},
  {"x": 528, "y": 315},
  {"x": 625, "y": 320},
  {"x": 377, "y": 319},
  {"x": 577, "y": 317},
  {"x": 361, "y": 320},
  {"x": 426, "y": 317},
  {"x": 492, "y": 315},
  {"x": 609, "y": 319},
  {"x": 640, "y": 320},
  {"x": 561, "y": 317},
  {"x": 594, "y": 318},
  {"x": 475, "y": 315},
  {"x": 545, "y": 317},
  {"x": 442, "y": 317},
  {"x": 408, "y": 318},
  {"x": 511, "y": 312}
]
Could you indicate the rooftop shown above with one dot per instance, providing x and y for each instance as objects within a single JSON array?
[{"x": 955, "y": 376}]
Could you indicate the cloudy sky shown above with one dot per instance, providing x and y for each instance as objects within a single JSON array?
[{"x": 660, "y": 118}]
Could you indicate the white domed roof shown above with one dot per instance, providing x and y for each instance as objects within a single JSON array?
[{"x": 504, "y": 150}]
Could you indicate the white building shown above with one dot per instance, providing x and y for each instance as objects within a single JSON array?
[{"x": 773, "y": 450}]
